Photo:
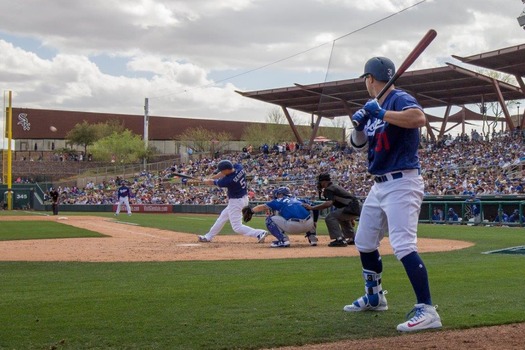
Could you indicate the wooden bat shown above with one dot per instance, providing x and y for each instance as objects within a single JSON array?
[
  {"x": 184, "y": 176},
  {"x": 411, "y": 58}
]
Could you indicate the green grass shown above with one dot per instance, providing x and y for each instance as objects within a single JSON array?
[
  {"x": 247, "y": 304},
  {"x": 19, "y": 230}
]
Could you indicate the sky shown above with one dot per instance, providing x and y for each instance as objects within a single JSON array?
[{"x": 189, "y": 57}]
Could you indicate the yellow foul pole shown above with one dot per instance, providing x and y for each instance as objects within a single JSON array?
[{"x": 9, "y": 130}]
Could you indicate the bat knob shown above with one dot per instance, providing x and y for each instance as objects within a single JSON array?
[{"x": 355, "y": 124}]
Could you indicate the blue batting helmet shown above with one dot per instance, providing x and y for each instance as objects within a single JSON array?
[
  {"x": 224, "y": 165},
  {"x": 381, "y": 68},
  {"x": 281, "y": 190}
]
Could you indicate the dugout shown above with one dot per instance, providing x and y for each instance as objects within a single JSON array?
[{"x": 489, "y": 206}]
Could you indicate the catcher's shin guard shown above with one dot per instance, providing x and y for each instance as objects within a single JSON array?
[
  {"x": 374, "y": 298},
  {"x": 275, "y": 230}
]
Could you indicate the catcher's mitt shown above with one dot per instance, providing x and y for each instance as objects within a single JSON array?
[{"x": 247, "y": 213}]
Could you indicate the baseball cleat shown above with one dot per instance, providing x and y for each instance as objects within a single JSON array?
[
  {"x": 280, "y": 244},
  {"x": 312, "y": 239},
  {"x": 363, "y": 304},
  {"x": 424, "y": 317},
  {"x": 203, "y": 239},
  {"x": 338, "y": 243},
  {"x": 261, "y": 237}
]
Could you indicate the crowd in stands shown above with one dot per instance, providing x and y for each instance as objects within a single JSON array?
[{"x": 460, "y": 166}]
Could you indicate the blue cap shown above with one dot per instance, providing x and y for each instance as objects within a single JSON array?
[
  {"x": 224, "y": 165},
  {"x": 381, "y": 68}
]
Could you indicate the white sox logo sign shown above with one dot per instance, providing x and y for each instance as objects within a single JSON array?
[{"x": 22, "y": 120}]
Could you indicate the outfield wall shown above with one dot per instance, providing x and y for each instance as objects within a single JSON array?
[{"x": 32, "y": 197}]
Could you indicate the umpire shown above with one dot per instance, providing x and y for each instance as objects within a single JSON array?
[
  {"x": 55, "y": 197},
  {"x": 340, "y": 221}
]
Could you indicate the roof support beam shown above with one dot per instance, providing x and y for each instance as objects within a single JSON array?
[
  {"x": 292, "y": 125},
  {"x": 504, "y": 108},
  {"x": 445, "y": 120}
]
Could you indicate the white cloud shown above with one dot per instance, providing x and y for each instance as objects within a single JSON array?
[{"x": 175, "y": 52}]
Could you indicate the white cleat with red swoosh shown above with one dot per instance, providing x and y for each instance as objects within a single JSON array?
[{"x": 424, "y": 317}]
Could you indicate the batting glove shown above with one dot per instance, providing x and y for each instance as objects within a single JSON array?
[
  {"x": 373, "y": 108},
  {"x": 359, "y": 119}
]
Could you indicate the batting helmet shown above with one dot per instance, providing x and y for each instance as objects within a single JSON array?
[
  {"x": 224, "y": 165},
  {"x": 281, "y": 190},
  {"x": 324, "y": 177},
  {"x": 381, "y": 68}
]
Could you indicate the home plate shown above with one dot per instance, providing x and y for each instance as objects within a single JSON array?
[
  {"x": 189, "y": 245},
  {"x": 62, "y": 218}
]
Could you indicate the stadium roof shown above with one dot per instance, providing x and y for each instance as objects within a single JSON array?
[
  {"x": 446, "y": 86},
  {"x": 435, "y": 87},
  {"x": 510, "y": 60}
]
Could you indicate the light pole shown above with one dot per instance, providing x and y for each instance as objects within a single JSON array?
[{"x": 519, "y": 116}]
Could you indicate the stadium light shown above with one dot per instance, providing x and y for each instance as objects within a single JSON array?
[{"x": 521, "y": 18}]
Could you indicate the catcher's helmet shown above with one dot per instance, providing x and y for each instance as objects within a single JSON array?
[
  {"x": 224, "y": 165},
  {"x": 324, "y": 177},
  {"x": 381, "y": 68},
  {"x": 281, "y": 190}
]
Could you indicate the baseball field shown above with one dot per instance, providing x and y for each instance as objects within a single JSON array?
[{"x": 97, "y": 281}]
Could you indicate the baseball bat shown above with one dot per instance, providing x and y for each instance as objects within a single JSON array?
[
  {"x": 184, "y": 176},
  {"x": 411, "y": 58}
]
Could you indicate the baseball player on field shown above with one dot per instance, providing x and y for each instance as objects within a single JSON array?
[
  {"x": 55, "y": 199},
  {"x": 123, "y": 194},
  {"x": 292, "y": 217},
  {"x": 339, "y": 222},
  {"x": 388, "y": 130},
  {"x": 233, "y": 178}
]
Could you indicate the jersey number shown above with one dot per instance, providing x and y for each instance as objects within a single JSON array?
[{"x": 382, "y": 142}]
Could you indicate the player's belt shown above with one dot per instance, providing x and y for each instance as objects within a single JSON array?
[
  {"x": 397, "y": 175},
  {"x": 301, "y": 220}
]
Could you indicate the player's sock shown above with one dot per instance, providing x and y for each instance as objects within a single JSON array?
[
  {"x": 372, "y": 261},
  {"x": 418, "y": 276}
]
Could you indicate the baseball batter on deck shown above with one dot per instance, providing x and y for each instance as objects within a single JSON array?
[
  {"x": 232, "y": 177},
  {"x": 388, "y": 129}
]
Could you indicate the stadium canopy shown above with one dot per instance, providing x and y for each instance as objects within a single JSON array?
[{"x": 445, "y": 86}]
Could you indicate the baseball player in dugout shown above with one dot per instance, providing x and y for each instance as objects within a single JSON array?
[
  {"x": 123, "y": 194},
  {"x": 291, "y": 218},
  {"x": 388, "y": 130},
  {"x": 233, "y": 178},
  {"x": 340, "y": 221}
]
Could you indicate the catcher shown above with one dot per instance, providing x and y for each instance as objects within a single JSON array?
[{"x": 293, "y": 217}]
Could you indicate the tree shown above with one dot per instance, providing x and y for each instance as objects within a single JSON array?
[
  {"x": 123, "y": 147},
  {"x": 205, "y": 140},
  {"x": 83, "y": 134},
  {"x": 109, "y": 127}
]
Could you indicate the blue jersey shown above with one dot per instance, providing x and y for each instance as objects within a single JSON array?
[
  {"x": 289, "y": 208},
  {"x": 390, "y": 147},
  {"x": 123, "y": 191},
  {"x": 234, "y": 182}
]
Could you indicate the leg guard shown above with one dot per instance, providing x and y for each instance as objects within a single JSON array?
[
  {"x": 374, "y": 298},
  {"x": 275, "y": 230}
]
